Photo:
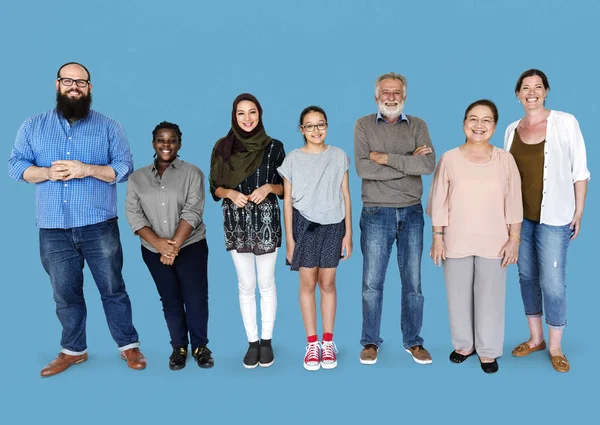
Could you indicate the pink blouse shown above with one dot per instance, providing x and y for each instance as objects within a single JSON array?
[{"x": 475, "y": 203}]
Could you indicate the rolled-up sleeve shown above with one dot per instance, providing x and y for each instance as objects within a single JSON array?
[
  {"x": 120, "y": 155},
  {"x": 579, "y": 170},
  {"x": 513, "y": 201},
  {"x": 21, "y": 156},
  {"x": 285, "y": 169},
  {"x": 437, "y": 204},
  {"x": 133, "y": 209},
  {"x": 194, "y": 201},
  {"x": 276, "y": 177}
]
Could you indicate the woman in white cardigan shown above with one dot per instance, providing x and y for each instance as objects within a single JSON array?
[{"x": 550, "y": 153}]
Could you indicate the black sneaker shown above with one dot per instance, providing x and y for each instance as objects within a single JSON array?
[
  {"x": 266, "y": 357},
  {"x": 178, "y": 358},
  {"x": 252, "y": 355},
  {"x": 203, "y": 357}
]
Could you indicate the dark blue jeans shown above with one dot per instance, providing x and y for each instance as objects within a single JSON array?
[
  {"x": 543, "y": 269},
  {"x": 63, "y": 252},
  {"x": 380, "y": 228},
  {"x": 183, "y": 290}
]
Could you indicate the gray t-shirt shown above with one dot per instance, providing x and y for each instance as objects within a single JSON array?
[{"x": 317, "y": 183}]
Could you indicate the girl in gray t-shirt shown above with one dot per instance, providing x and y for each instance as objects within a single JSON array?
[{"x": 318, "y": 227}]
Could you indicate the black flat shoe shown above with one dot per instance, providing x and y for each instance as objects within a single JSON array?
[
  {"x": 204, "y": 357},
  {"x": 252, "y": 356},
  {"x": 178, "y": 358},
  {"x": 489, "y": 367},
  {"x": 266, "y": 356},
  {"x": 459, "y": 358}
]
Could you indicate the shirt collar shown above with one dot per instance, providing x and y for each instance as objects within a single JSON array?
[
  {"x": 175, "y": 164},
  {"x": 402, "y": 117},
  {"x": 62, "y": 118}
]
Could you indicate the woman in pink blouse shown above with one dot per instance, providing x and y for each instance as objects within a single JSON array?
[{"x": 476, "y": 210}]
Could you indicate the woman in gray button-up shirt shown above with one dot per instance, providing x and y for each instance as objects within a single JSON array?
[{"x": 165, "y": 201}]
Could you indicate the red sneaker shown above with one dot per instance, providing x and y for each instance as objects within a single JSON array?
[
  {"x": 312, "y": 359},
  {"x": 328, "y": 355}
]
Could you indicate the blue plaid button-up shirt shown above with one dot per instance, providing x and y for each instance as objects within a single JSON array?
[{"x": 96, "y": 140}]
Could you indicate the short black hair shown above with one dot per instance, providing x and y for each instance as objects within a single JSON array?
[
  {"x": 169, "y": 125},
  {"x": 483, "y": 102},
  {"x": 74, "y": 63}
]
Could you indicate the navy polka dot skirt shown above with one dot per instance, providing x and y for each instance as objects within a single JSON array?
[{"x": 317, "y": 245}]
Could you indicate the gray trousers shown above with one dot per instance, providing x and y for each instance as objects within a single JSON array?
[{"x": 476, "y": 290}]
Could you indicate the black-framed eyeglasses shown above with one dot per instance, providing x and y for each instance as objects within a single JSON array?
[
  {"x": 68, "y": 82},
  {"x": 311, "y": 127}
]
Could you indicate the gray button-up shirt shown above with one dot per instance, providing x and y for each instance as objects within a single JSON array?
[{"x": 159, "y": 203}]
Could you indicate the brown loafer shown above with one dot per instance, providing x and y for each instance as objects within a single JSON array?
[
  {"x": 560, "y": 363},
  {"x": 62, "y": 363},
  {"x": 524, "y": 349},
  {"x": 134, "y": 358}
]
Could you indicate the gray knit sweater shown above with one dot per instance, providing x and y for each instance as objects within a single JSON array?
[{"x": 397, "y": 184}]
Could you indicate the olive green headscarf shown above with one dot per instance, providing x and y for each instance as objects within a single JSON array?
[{"x": 237, "y": 155}]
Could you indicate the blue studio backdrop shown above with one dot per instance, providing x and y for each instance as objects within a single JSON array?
[{"x": 185, "y": 62}]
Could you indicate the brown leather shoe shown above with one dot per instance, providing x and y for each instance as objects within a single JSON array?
[
  {"x": 368, "y": 355},
  {"x": 524, "y": 349},
  {"x": 560, "y": 363},
  {"x": 134, "y": 358},
  {"x": 62, "y": 363}
]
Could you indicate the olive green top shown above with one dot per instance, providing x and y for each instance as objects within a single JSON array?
[{"x": 530, "y": 161}]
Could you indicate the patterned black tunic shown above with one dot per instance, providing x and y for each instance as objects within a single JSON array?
[{"x": 256, "y": 228}]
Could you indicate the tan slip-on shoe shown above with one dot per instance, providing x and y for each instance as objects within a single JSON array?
[
  {"x": 560, "y": 363},
  {"x": 524, "y": 349}
]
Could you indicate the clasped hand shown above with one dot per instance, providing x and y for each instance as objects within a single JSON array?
[
  {"x": 257, "y": 196},
  {"x": 66, "y": 170},
  {"x": 169, "y": 249}
]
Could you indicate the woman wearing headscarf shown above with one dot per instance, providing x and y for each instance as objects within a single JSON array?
[{"x": 243, "y": 173}]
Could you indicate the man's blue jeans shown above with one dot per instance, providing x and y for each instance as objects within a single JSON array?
[
  {"x": 543, "y": 269},
  {"x": 380, "y": 228},
  {"x": 63, "y": 252}
]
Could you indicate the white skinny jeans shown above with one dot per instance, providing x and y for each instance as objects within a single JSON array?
[{"x": 265, "y": 268}]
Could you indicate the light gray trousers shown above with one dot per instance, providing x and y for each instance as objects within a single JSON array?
[{"x": 476, "y": 290}]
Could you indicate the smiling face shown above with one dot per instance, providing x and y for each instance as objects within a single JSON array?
[
  {"x": 247, "y": 115},
  {"x": 479, "y": 125},
  {"x": 166, "y": 144},
  {"x": 74, "y": 72},
  {"x": 390, "y": 98},
  {"x": 532, "y": 92},
  {"x": 312, "y": 121}
]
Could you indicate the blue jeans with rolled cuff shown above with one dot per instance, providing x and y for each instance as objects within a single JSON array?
[
  {"x": 63, "y": 253},
  {"x": 542, "y": 271},
  {"x": 381, "y": 227}
]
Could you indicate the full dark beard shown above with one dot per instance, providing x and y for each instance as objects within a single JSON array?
[{"x": 73, "y": 109}]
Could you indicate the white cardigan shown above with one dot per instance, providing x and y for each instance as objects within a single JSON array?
[{"x": 564, "y": 164}]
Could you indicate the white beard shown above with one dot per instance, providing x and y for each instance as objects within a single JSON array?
[{"x": 390, "y": 111}]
